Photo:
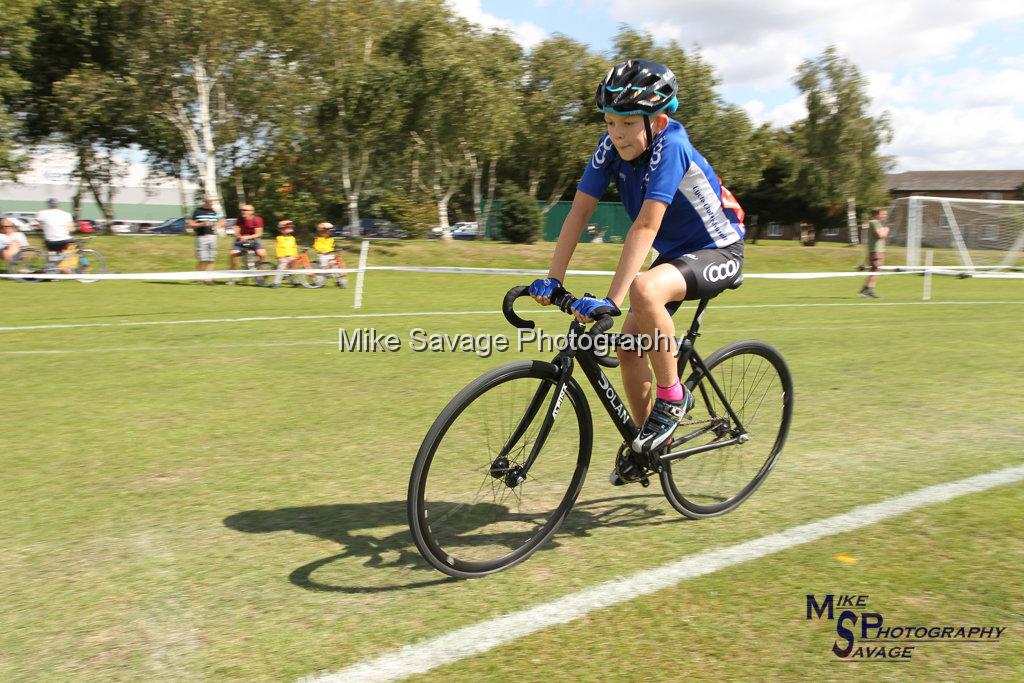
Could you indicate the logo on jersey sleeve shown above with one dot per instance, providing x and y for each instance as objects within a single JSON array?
[
  {"x": 601, "y": 155},
  {"x": 729, "y": 202}
]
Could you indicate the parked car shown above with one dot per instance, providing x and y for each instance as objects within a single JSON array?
[
  {"x": 372, "y": 227},
  {"x": 172, "y": 226},
  {"x": 464, "y": 231},
  {"x": 121, "y": 228},
  {"x": 25, "y": 220}
]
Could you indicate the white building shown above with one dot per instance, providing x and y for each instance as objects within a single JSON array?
[{"x": 138, "y": 195}]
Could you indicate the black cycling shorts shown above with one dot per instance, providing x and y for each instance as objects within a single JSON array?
[
  {"x": 59, "y": 245},
  {"x": 708, "y": 272}
]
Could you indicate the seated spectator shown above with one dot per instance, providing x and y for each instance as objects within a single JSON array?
[{"x": 12, "y": 240}]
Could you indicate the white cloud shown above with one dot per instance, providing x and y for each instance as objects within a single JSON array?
[
  {"x": 525, "y": 33},
  {"x": 967, "y": 119},
  {"x": 780, "y": 115},
  {"x": 975, "y": 138},
  {"x": 760, "y": 44}
]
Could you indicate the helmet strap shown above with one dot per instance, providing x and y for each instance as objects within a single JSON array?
[{"x": 647, "y": 128}]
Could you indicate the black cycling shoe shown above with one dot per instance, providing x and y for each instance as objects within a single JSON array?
[
  {"x": 662, "y": 422},
  {"x": 627, "y": 470}
]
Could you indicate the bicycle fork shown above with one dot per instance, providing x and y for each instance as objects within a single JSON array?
[{"x": 502, "y": 467}]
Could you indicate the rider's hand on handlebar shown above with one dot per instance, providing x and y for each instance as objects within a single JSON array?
[
  {"x": 588, "y": 308},
  {"x": 544, "y": 289}
]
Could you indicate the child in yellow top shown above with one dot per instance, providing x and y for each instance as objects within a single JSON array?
[
  {"x": 286, "y": 249},
  {"x": 324, "y": 247}
]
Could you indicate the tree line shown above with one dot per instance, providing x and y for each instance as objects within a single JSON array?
[{"x": 391, "y": 108}]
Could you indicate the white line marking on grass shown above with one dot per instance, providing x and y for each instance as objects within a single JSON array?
[
  {"x": 166, "y": 347},
  {"x": 486, "y": 635},
  {"x": 413, "y": 314}
]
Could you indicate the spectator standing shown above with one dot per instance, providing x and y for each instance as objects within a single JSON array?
[
  {"x": 877, "y": 231},
  {"x": 205, "y": 223},
  {"x": 12, "y": 240},
  {"x": 248, "y": 232}
]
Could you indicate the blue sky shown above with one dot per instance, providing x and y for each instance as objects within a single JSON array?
[{"x": 949, "y": 74}]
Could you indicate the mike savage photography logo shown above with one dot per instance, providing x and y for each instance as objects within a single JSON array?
[
  {"x": 419, "y": 340},
  {"x": 864, "y": 635}
]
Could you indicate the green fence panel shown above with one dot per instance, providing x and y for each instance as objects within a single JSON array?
[{"x": 610, "y": 218}]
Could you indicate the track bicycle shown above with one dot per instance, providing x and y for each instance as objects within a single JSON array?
[
  {"x": 502, "y": 465},
  {"x": 33, "y": 263}
]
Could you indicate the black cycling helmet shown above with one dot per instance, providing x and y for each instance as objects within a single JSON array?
[{"x": 637, "y": 86}]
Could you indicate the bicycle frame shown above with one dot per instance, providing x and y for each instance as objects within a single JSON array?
[{"x": 615, "y": 407}]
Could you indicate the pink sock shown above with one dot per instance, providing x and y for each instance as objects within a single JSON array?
[{"x": 672, "y": 393}]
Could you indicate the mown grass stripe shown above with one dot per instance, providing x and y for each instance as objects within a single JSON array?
[{"x": 484, "y": 636}]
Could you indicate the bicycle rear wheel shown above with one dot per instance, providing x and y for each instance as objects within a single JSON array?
[
  {"x": 264, "y": 280},
  {"x": 90, "y": 261},
  {"x": 758, "y": 385},
  {"x": 468, "y": 513},
  {"x": 27, "y": 262}
]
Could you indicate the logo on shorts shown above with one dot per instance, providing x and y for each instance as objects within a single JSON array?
[{"x": 721, "y": 271}]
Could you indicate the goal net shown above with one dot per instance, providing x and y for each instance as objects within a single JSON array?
[{"x": 969, "y": 234}]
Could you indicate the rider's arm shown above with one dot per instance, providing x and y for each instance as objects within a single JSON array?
[
  {"x": 583, "y": 206},
  {"x": 638, "y": 244}
]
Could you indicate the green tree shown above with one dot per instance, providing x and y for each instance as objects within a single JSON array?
[
  {"x": 840, "y": 141},
  {"x": 78, "y": 94},
  {"x": 16, "y": 35},
  {"x": 521, "y": 218},
  {"x": 201, "y": 67},
  {"x": 560, "y": 124}
]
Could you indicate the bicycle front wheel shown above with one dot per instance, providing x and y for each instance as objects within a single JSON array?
[
  {"x": 90, "y": 261},
  {"x": 312, "y": 280},
  {"x": 27, "y": 263},
  {"x": 757, "y": 384},
  {"x": 468, "y": 512}
]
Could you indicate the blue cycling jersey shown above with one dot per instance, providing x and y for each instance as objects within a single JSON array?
[{"x": 701, "y": 213}]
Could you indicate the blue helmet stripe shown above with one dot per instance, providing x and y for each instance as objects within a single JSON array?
[{"x": 669, "y": 107}]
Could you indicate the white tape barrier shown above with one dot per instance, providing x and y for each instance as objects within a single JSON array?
[
  {"x": 184, "y": 275},
  {"x": 238, "y": 274}
]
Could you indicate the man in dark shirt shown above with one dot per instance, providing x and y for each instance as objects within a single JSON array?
[
  {"x": 248, "y": 232},
  {"x": 204, "y": 223}
]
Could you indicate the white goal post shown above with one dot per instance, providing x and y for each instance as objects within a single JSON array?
[{"x": 968, "y": 234}]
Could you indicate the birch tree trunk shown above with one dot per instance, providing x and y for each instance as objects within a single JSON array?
[
  {"x": 492, "y": 183},
  {"x": 201, "y": 149},
  {"x": 476, "y": 174}
]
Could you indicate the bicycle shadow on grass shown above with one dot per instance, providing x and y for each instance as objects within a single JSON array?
[{"x": 362, "y": 529}]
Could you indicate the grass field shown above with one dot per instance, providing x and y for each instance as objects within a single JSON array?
[{"x": 225, "y": 500}]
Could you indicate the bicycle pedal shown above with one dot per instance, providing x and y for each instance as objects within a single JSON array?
[{"x": 645, "y": 482}]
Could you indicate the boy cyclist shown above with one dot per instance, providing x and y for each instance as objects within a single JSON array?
[
  {"x": 679, "y": 207},
  {"x": 323, "y": 245}
]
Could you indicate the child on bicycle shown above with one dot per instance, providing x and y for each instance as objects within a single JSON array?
[
  {"x": 286, "y": 249},
  {"x": 323, "y": 245},
  {"x": 678, "y": 206}
]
